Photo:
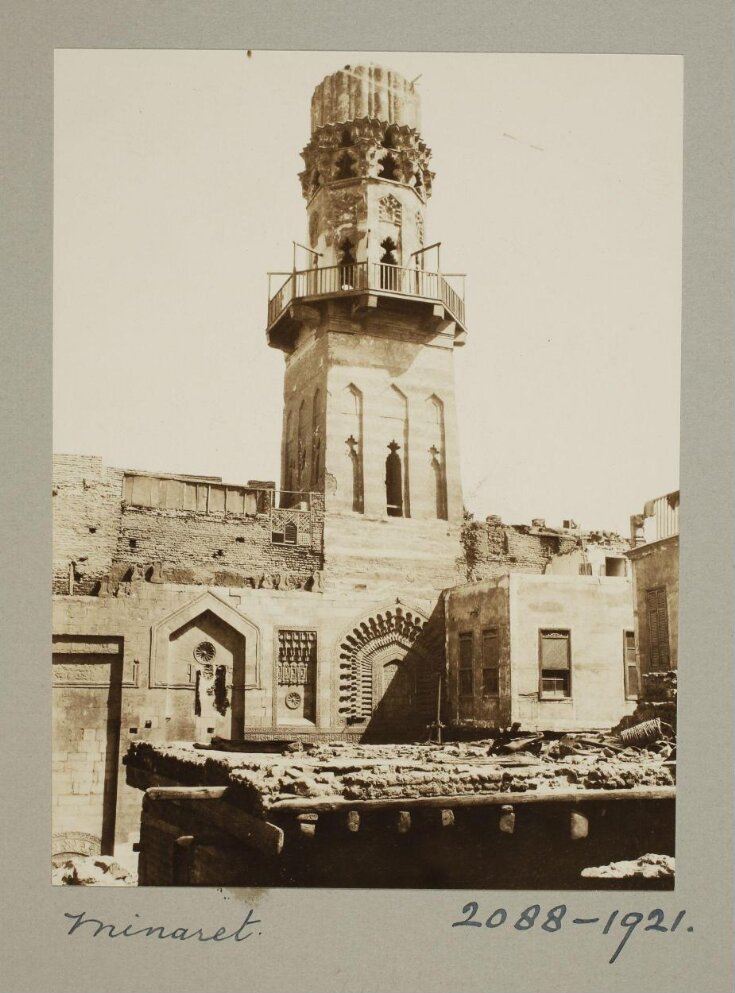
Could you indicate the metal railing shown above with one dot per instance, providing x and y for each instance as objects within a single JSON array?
[
  {"x": 665, "y": 514},
  {"x": 353, "y": 277},
  {"x": 659, "y": 520}
]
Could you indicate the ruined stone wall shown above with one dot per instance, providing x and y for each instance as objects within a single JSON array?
[
  {"x": 492, "y": 549},
  {"x": 101, "y": 539},
  {"x": 87, "y": 514},
  {"x": 213, "y": 550}
]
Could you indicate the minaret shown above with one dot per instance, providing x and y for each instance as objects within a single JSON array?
[{"x": 368, "y": 324}]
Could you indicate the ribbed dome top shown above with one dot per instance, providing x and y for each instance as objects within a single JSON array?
[{"x": 365, "y": 91}]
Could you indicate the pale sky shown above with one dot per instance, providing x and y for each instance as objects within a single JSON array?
[{"x": 557, "y": 190}]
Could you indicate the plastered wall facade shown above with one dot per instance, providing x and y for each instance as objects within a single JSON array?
[{"x": 595, "y": 612}]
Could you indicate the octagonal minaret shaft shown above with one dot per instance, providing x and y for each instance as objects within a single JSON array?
[{"x": 366, "y": 178}]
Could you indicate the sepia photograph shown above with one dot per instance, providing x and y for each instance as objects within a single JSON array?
[{"x": 366, "y": 473}]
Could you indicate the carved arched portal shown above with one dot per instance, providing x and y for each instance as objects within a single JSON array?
[{"x": 388, "y": 676}]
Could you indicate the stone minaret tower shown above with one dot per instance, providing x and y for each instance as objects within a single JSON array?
[{"x": 368, "y": 326}]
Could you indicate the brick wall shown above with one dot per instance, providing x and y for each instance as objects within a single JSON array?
[
  {"x": 217, "y": 550},
  {"x": 100, "y": 538},
  {"x": 87, "y": 518}
]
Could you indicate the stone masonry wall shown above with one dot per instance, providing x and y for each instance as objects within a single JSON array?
[
  {"x": 87, "y": 518},
  {"x": 101, "y": 540},
  {"x": 213, "y": 550},
  {"x": 492, "y": 548}
]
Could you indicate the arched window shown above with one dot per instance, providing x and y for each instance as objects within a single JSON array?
[
  {"x": 388, "y": 168},
  {"x": 346, "y": 265},
  {"x": 289, "y": 460},
  {"x": 440, "y": 483},
  {"x": 351, "y": 418},
  {"x": 388, "y": 262},
  {"x": 435, "y": 417},
  {"x": 353, "y": 450},
  {"x": 345, "y": 166},
  {"x": 301, "y": 448},
  {"x": 345, "y": 140},
  {"x": 389, "y": 138},
  {"x": 290, "y": 533},
  {"x": 394, "y": 482}
]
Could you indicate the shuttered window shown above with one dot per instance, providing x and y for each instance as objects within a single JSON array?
[
  {"x": 555, "y": 664},
  {"x": 490, "y": 662},
  {"x": 658, "y": 629},
  {"x": 465, "y": 664},
  {"x": 630, "y": 666}
]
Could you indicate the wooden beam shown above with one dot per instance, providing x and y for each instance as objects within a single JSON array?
[
  {"x": 579, "y": 825},
  {"x": 307, "y": 824},
  {"x": 507, "y": 822},
  {"x": 473, "y": 799},
  {"x": 187, "y": 792},
  {"x": 216, "y": 812}
]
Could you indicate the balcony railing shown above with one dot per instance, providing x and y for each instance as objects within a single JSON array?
[
  {"x": 659, "y": 520},
  {"x": 311, "y": 284}
]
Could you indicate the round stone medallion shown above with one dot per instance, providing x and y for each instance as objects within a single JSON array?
[
  {"x": 293, "y": 699},
  {"x": 205, "y": 651}
]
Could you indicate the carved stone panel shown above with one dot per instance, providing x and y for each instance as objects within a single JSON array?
[
  {"x": 343, "y": 214},
  {"x": 390, "y": 210},
  {"x": 296, "y": 676}
]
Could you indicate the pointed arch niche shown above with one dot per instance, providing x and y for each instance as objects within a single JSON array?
[
  {"x": 394, "y": 428},
  {"x": 351, "y": 417},
  {"x": 289, "y": 453},
  {"x": 208, "y": 640},
  {"x": 387, "y": 680},
  {"x": 316, "y": 439},
  {"x": 437, "y": 455}
]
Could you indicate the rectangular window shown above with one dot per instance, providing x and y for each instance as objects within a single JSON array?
[
  {"x": 490, "y": 662},
  {"x": 658, "y": 629},
  {"x": 465, "y": 664},
  {"x": 555, "y": 664},
  {"x": 615, "y": 566},
  {"x": 630, "y": 664}
]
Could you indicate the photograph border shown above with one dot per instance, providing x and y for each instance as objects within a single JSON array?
[{"x": 372, "y": 940}]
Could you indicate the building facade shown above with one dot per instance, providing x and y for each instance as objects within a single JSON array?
[
  {"x": 186, "y": 607},
  {"x": 654, "y": 557},
  {"x": 551, "y": 652}
]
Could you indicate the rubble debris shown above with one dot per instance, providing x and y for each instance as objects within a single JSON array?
[
  {"x": 642, "y": 734},
  {"x": 356, "y": 772},
  {"x": 647, "y": 867},
  {"x": 92, "y": 870}
]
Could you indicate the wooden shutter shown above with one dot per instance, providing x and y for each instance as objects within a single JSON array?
[
  {"x": 630, "y": 663},
  {"x": 466, "y": 682},
  {"x": 490, "y": 648},
  {"x": 490, "y": 662},
  {"x": 555, "y": 650},
  {"x": 658, "y": 628}
]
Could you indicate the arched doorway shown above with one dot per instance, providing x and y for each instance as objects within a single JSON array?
[{"x": 388, "y": 676}]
